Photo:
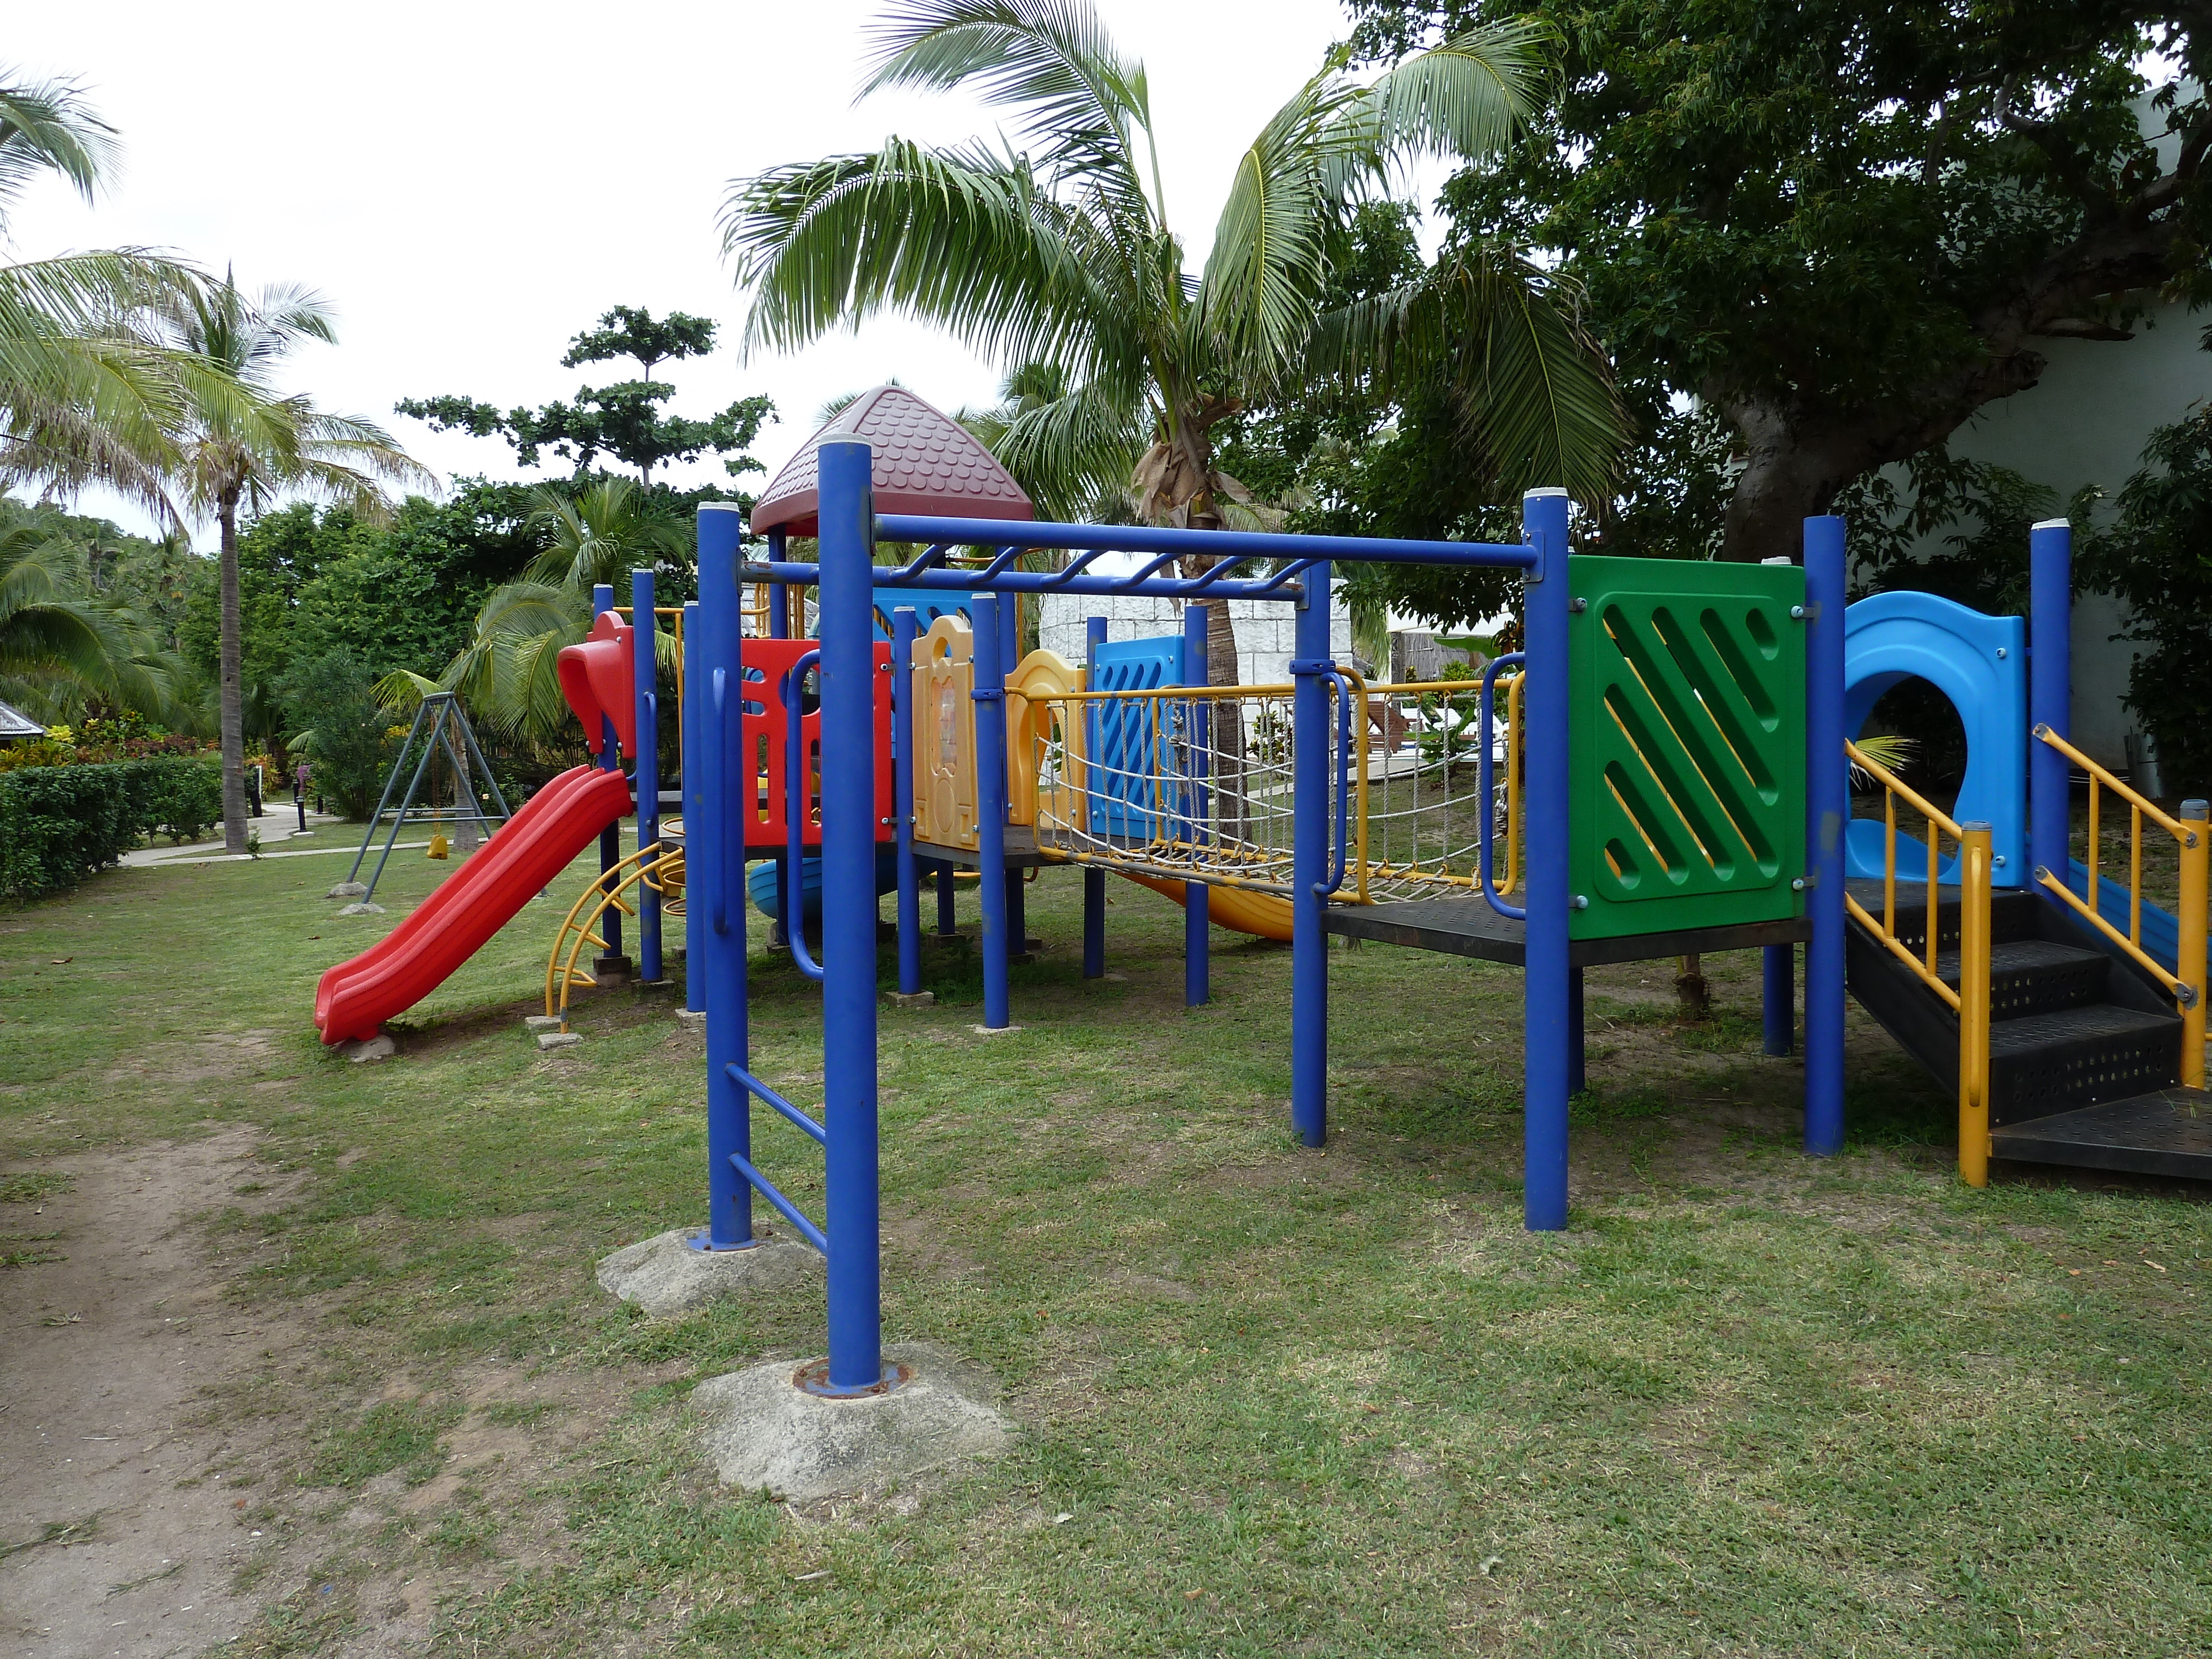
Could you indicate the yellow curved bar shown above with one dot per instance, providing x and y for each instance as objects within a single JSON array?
[{"x": 652, "y": 852}]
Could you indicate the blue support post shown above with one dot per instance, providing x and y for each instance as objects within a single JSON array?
[
  {"x": 990, "y": 699},
  {"x": 1827, "y": 806},
  {"x": 610, "y": 962},
  {"x": 1311, "y": 754},
  {"x": 779, "y": 596},
  {"x": 846, "y": 628},
  {"x": 903, "y": 618},
  {"x": 2049, "y": 693},
  {"x": 1546, "y": 993},
  {"x": 717, "y": 778},
  {"x": 1094, "y": 879},
  {"x": 1197, "y": 966},
  {"x": 695, "y": 943},
  {"x": 1780, "y": 1000},
  {"x": 647, "y": 767}
]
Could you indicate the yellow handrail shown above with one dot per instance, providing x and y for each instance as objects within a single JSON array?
[
  {"x": 655, "y": 863},
  {"x": 2187, "y": 981},
  {"x": 1970, "y": 1000}
]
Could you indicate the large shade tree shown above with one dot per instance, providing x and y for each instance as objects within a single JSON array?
[
  {"x": 1845, "y": 228},
  {"x": 237, "y": 454},
  {"x": 1060, "y": 252}
]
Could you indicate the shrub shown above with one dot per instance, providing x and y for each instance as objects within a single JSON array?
[
  {"x": 330, "y": 703},
  {"x": 60, "y": 824}
]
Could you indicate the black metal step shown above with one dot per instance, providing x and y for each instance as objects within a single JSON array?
[
  {"x": 2166, "y": 1132},
  {"x": 2044, "y": 1063},
  {"x": 2035, "y": 977},
  {"x": 2014, "y": 912}
]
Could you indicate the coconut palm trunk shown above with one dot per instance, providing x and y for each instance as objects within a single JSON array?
[{"x": 230, "y": 690}]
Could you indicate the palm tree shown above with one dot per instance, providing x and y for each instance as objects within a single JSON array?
[
  {"x": 1061, "y": 253},
  {"x": 61, "y": 644},
  {"x": 508, "y": 673},
  {"x": 86, "y": 394},
  {"x": 247, "y": 450}
]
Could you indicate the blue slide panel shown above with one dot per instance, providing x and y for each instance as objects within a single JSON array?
[
  {"x": 761, "y": 883},
  {"x": 1978, "y": 662}
]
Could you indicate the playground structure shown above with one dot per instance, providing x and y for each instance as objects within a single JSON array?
[{"x": 1664, "y": 769}]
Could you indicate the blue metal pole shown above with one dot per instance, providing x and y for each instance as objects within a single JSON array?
[
  {"x": 643, "y": 630},
  {"x": 717, "y": 786},
  {"x": 846, "y": 628},
  {"x": 1827, "y": 806},
  {"x": 779, "y": 599},
  {"x": 1781, "y": 999},
  {"x": 909, "y": 877},
  {"x": 1197, "y": 966},
  {"x": 2049, "y": 693},
  {"x": 989, "y": 694},
  {"x": 1311, "y": 752},
  {"x": 611, "y": 961},
  {"x": 1094, "y": 879},
  {"x": 694, "y": 938},
  {"x": 1546, "y": 993}
]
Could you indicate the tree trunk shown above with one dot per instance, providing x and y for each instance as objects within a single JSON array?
[{"x": 229, "y": 695}]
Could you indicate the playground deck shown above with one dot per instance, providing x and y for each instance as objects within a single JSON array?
[{"x": 1469, "y": 928}]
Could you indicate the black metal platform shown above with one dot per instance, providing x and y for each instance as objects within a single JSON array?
[
  {"x": 2168, "y": 1132},
  {"x": 1469, "y": 928}
]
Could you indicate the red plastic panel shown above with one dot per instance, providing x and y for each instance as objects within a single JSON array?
[
  {"x": 598, "y": 678},
  {"x": 765, "y": 729},
  {"x": 924, "y": 461}
]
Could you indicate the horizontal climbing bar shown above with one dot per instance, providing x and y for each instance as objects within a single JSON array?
[
  {"x": 745, "y": 1079},
  {"x": 1220, "y": 544},
  {"x": 1037, "y": 581},
  {"x": 791, "y": 1212}
]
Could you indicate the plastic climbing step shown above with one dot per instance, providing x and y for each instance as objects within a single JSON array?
[{"x": 2085, "y": 1051}]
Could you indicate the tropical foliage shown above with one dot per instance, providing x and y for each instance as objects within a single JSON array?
[
  {"x": 1058, "y": 250},
  {"x": 623, "y": 420},
  {"x": 66, "y": 646},
  {"x": 241, "y": 453}
]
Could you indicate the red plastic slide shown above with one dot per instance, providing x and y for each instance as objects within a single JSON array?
[{"x": 470, "y": 905}]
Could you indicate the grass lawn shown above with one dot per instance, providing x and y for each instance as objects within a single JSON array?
[{"x": 1272, "y": 1402}]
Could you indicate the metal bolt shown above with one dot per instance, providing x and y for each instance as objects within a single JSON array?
[
  {"x": 1796, "y": 613},
  {"x": 1581, "y": 902},
  {"x": 1797, "y": 886},
  {"x": 2000, "y": 651}
]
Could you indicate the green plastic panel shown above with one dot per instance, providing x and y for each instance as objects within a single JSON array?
[{"x": 1686, "y": 780}]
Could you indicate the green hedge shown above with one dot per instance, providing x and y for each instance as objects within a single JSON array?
[{"x": 60, "y": 824}]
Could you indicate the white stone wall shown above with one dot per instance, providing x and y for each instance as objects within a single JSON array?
[{"x": 1266, "y": 629}]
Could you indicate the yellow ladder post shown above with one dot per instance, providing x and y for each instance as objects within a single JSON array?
[
  {"x": 2188, "y": 953},
  {"x": 1975, "y": 966}
]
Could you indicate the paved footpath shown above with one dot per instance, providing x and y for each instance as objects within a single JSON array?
[{"x": 277, "y": 827}]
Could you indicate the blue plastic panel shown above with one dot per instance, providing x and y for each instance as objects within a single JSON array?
[
  {"x": 1123, "y": 745},
  {"x": 928, "y": 607},
  {"x": 1978, "y": 662}
]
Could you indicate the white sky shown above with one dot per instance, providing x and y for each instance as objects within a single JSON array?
[{"x": 471, "y": 184}]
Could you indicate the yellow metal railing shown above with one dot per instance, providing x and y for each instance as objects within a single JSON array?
[
  {"x": 1970, "y": 999},
  {"x": 2185, "y": 982},
  {"x": 657, "y": 865}
]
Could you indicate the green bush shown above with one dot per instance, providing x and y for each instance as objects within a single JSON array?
[
  {"x": 60, "y": 824},
  {"x": 330, "y": 706}
]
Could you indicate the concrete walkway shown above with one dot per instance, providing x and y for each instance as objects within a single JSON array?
[{"x": 275, "y": 827}]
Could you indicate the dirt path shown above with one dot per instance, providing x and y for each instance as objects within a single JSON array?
[{"x": 122, "y": 1536}]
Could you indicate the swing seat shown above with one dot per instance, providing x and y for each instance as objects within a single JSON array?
[{"x": 439, "y": 846}]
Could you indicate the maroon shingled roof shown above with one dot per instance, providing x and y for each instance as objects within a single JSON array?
[{"x": 924, "y": 462}]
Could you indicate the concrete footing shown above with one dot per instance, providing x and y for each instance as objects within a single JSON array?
[
  {"x": 691, "y": 1019},
  {"x": 762, "y": 1431},
  {"x": 347, "y": 889},
  {"x": 994, "y": 1030},
  {"x": 665, "y": 1275},
  {"x": 549, "y": 1039},
  {"x": 362, "y": 908},
  {"x": 916, "y": 999},
  {"x": 362, "y": 1050},
  {"x": 541, "y": 1021}
]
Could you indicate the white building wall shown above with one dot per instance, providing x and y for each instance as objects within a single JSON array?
[
  {"x": 2084, "y": 423},
  {"x": 1266, "y": 631}
]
